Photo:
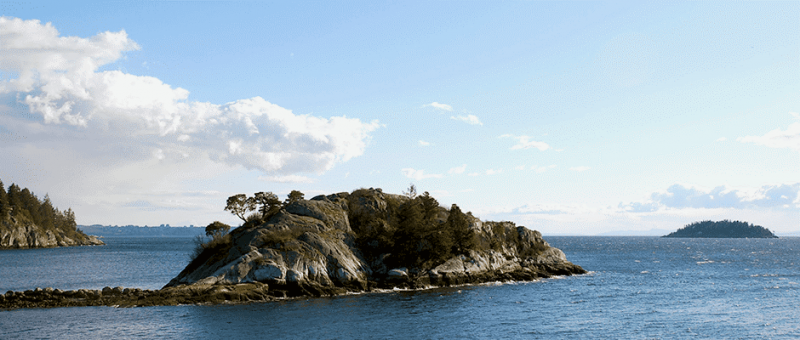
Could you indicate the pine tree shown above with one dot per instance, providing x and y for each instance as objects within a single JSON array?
[
  {"x": 4, "y": 207},
  {"x": 463, "y": 236}
]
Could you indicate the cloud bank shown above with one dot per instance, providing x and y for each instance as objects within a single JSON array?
[
  {"x": 784, "y": 196},
  {"x": 789, "y": 138},
  {"x": 45, "y": 77}
]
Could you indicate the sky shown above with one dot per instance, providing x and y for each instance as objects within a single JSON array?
[{"x": 571, "y": 118}]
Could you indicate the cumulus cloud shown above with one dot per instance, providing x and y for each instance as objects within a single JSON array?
[
  {"x": 789, "y": 138},
  {"x": 59, "y": 80},
  {"x": 457, "y": 170},
  {"x": 423, "y": 143},
  {"x": 439, "y": 106},
  {"x": 418, "y": 174},
  {"x": 469, "y": 119},
  {"x": 721, "y": 139},
  {"x": 525, "y": 142}
]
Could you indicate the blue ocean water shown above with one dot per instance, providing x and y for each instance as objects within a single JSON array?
[{"x": 639, "y": 287}]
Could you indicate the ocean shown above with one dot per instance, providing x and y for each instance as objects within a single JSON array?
[{"x": 637, "y": 288}]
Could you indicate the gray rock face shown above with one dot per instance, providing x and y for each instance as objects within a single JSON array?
[
  {"x": 18, "y": 235},
  {"x": 310, "y": 247}
]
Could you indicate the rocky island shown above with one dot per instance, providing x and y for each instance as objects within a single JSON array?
[
  {"x": 362, "y": 241},
  {"x": 722, "y": 229},
  {"x": 27, "y": 222}
]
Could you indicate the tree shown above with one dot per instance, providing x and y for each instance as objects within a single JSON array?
[
  {"x": 294, "y": 196},
  {"x": 463, "y": 236},
  {"x": 4, "y": 207},
  {"x": 269, "y": 202},
  {"x": 239, "y": 205},
  {"x": 429, "y": 205},
  {"x": 411, "y": 192},
  {"x": 408, "y": 234},
  {"x": 13, "y": 196},
  {"x": 217, "y": 228}
]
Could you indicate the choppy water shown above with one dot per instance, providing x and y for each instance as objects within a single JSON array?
[{"x": 640, "y": 287}]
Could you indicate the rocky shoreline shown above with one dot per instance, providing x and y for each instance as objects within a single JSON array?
[
  {"x": 20, "y": 235},
  {"x": 337, "y": 244},
  {"x": 256, "y": 292}
]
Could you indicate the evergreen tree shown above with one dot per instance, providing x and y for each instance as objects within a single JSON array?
[
  {"x": 217, "y": 229},
  {"x": 13, "y": 196},
  {"x": 463, "y": 236},
  {"x": 4, "y": 207},
  {"x": 269, "y": 202},
  {"x": 294, "y": 196},
  {"x": 239, "y": 205},
  {"x": 408, "y": 234}
]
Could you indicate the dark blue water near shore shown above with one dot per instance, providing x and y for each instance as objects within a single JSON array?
[{"x": 640, "y": 287}]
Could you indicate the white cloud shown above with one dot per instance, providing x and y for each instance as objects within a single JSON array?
[
  {"x": 494, "y": 171},
  {"x": 423, "y": 143},
  {"x": 541, "y": 169},
  {"x": 418, "y": 174},
  {"x": 469, "y": 119},
  {"x": 789, "y": 138},
  {"x": 525, "y": 142},
  {"x": 439, "y": 106},
  {"x": 795, "y": 115},
  {"x": 286, "y": 179},
  {"x": 721, "y": 139},
  {"x": 457, "y": 170},
  {"x": 679, "y": 196},
  {"x": 58, "y": 78},
  {"x": 519, "y": 167},
  {"x": 579, "y": 168}
]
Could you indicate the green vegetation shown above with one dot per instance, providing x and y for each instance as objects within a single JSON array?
[
  {"x": 410, "y": 230},
  {"x": 722, "y": 229},
  {"x": 20, "y": 205},
  {"x": 414, "y": 229},
  {"x": 217, "y": 227},
  {"x": 280, "y": 239},
  {"x": 267, "y": 205},
  {"x": 210, "y": 250}
]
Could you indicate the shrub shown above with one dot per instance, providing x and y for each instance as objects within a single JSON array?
[
  {"x": 281, "y": 239},
  {"x": 210, "y": 250}
]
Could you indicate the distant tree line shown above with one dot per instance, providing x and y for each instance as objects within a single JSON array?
[
  {"x": 21, "y": 205},
  {"x": 722, "y": 229}
]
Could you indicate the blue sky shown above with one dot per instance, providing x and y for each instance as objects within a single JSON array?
[{"x": 566, "y": 117}]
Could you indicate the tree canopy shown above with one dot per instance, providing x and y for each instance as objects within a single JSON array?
[
  {"x": 217, "y": 228},
  {"x": 722, "y": 229},
  {"x": 22, "y": 204}
]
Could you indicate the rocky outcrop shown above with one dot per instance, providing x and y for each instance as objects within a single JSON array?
[
  {"x": 18, "y": 234},
  {"x": 134, "y": 297},
  {"x": 310, "y": 248}
]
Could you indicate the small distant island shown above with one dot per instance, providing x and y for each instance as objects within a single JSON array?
[
  {"x": 28, "y": 222},
  {"x": 722, "y": 229}
]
